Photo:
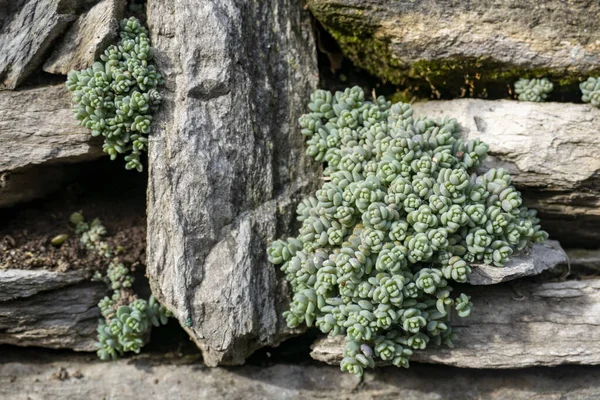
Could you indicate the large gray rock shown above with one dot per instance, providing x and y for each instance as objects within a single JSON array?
[
  {"x": 63, "y": 318},
  {"x": 227, "y": 165},
  {"x": 44, "y": 376},
  {"x": 27, "y": 32},
  {"x": 86, "y": 40},
  {"x": 515, "y": 326},
  {"x": 550, "y": 149},
  {"x": 449, "y": 43},
  {"x": 37, "y": 132},
  {"x": 541, "y": 257}
]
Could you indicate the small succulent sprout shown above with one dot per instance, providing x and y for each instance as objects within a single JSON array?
[
  {"x": 456, "y": 269},
  {"x": 533, "y": 89},
  {"x": 402, "y": 214},
  {"x": 126, "y": 318},
  {"x": 463, "y": 306},
  {"x": 590, "y": 90}
]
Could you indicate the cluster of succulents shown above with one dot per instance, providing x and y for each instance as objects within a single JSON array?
[
  {"x": 533, "y": 89},
  {"x": 127, "y": 320},
  {"x": 402, "y": 214},
  {"x": 591, "y": 91},
  {"x": 117, "y": 95}
]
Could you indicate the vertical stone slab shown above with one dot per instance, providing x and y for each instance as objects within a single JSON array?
[{"x": 227, "y": 165}]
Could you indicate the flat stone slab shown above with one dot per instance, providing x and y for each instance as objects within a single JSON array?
[
  {"x": 40, "y": 376},
  {"x": 534, "y": 261},
  {"x": 18, "y": 283},
  {"x": 448, "y": 42},
  {"x": 63, "y": 318},
  {"x": 514, "y": 326},
  {"x": 86, "y": 39},
  {"x": 28, "y": 31},
  {"x": 227, "y": 165},
  {"x": 38, "y": 132}
]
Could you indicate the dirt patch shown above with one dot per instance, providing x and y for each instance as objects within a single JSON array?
[{"x": 107, "y": 192}]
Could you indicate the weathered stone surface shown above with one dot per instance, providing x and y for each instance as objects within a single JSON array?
[
  {"x": 227, "y": 165},
  {"x": 41, "y": 376},
  {"x": 62, "y": 318},
  {"x": 534, "y": 261},
  {"x": 37, "y": 128},
  {"x": 27, "y": 32},
  {"x": 550, "y": 149},
  {"x": 87, "y": 38},
  {"x": 584, "y": 261},
  {"x": 515, "y": 326},
  {"x": 18, "y": 283},
  {"x": 448, "y": 41}
]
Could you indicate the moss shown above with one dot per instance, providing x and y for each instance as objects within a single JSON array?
[{"x": 447, "y": 78}]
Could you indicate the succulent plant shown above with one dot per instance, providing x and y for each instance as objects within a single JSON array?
[
  {"x": 126, "y": 318},
  {"x": 591, "y": 91},
  {"x": 117, "y": 95},
  {"x": 402, "y": 214},
  {"x": 533, "y": 89}
]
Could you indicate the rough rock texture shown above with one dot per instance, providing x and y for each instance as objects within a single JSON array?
[
  {"x": 227, "y": 165},
  {"x": 584, "y": 261},
  {"x": 87, "y": 38},
  {"x": 534, "y": 261},
  {"x": 27, "y": 32},
  {"x": 17, "y": 283},
  {"x": 446, "y": 41},
  {"x": 551, "y": 150},
  {"x": 62, "y": 318},
  {"x": 37, "y": 128},
  {"x": 41, "y": 376},
  {"x": 514, "y": 326}
]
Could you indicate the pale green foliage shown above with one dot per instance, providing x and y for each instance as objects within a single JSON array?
[
  {"x": 127, "y": 319},
  {"x": 533, "y": 89},
  {"x": 401, "y": 215},
  {"x": 591, "y": 91},
  {"x": 117, "y": 95}
]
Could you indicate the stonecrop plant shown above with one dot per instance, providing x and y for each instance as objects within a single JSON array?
[
  {"x": 126, "y": 318},
  {"x": 591, "y": 91},
  {"x": 117, "y": 95},
  {"x": 533, "y": 89},
  {"x": 402, "y": 214}
]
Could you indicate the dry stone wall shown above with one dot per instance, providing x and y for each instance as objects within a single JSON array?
[{"x": 227, "y": 169}]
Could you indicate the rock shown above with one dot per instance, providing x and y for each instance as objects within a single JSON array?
[
  {"x": 550, "y": 149},
  {"x": 86, "y": 40},
  {"x": 584, "y": 261},
  {"x": 27, "y": 33},
  {"x": 227, "y": 165},
  {"x": 38, "y": 132},
  {"x": 18, "y": 283},
  {"x": 515, "y": 326},
  {"x": 61, "y": 376},
  {"x": 444, "y": 44},
  {"x": 534, "y": 261},
  {"x": 63, "y": 318}
]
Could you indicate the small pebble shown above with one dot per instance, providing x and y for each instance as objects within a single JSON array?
[{"x": 58, "y": 240}]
